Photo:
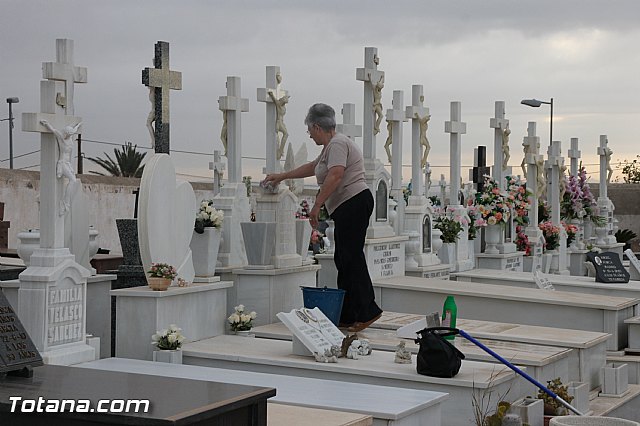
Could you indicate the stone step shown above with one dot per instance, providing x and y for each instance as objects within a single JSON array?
[{"x": 287, "y": 415}]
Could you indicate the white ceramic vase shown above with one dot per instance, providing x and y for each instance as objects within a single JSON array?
[
  {"x": 169, "y": 356},
  {"x": 28, "y": 241},
  {"x": 492, "y": 238},
  {"x": 303, "y": 237},
  {"x": 447, "y": 254},
  {"x": 204, "y": 248}
]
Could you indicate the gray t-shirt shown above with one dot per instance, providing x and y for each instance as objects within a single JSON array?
[{"x": 341, "y": 151}]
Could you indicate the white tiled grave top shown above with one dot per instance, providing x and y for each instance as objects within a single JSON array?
[
  {"x": 630, "y": 289},
  {"x": 276, "y": 271},
  {"x": 507, "y": 293},
  {"x": 532, "y": 334},
  {"x": 144, "y": 291},
  {"x": 278, "y": 353},
  {"x": 387, "y": 340},
  {"x": 378, "y": 401}
]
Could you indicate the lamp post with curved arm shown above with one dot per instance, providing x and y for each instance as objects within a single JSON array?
[{"x": 536, "y": 103}]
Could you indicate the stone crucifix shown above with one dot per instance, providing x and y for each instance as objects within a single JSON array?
[
  {"x": 396, "y": 116},
  {"x": 56, "y": 116},
  {"x": 217, "y": 166},
  {"x": 535, "y": 183},
  {"x": 555, "y": 163},
  {"x": 163, "y": 80},
  {"x": 371, "y": 77},
  {"x": 500, "y": 148},
  {"x": 419, "y": 116},
  {"x": 271, "y": 94},
  {"x": 233, "y": 105}
]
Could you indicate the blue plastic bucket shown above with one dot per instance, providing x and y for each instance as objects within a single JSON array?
[{"x": 328, "y": 300}]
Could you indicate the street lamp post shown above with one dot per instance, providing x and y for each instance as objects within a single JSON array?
[
  {"x": 536, "y": 103},
  {"x": 11, "y": 101}
]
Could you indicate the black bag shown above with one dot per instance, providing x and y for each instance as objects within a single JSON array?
[{"x": 436, "y": 356}]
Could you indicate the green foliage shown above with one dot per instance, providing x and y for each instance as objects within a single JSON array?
[
  {"x": 551, "y": 406},
  {"x": 128, "y": 162},
  {"x": 625, "y": 235},
  {"x": 496, "y": 418},
  {"x": 435, "y": 201},
  {"x": 449, "y": 227},
  {"x": 247, "y": 183},
  {"x": 631, "y": 170}
]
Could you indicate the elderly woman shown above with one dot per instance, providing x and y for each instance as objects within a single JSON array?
[{"x": 339, "y": 170}]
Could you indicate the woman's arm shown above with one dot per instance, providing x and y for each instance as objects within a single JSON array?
[
  {"x": 331, "y": 182},
  {"x": 303, "y": 171}
]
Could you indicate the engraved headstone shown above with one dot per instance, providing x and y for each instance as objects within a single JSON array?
[
  {"x": 312, "y": 328},
  {"x": 634, "y": 265},
  {"x": 17, "y": 351},
  {"x": 608, "y": 267},
  {"x": 542, "y": 282}
]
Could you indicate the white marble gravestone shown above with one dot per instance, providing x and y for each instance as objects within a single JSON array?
[
  {"x": 396, "y": 116},
  {"x": 166, "y": 217},
  {"x": 555, "y": 162},
  {"x": 52, "y": 295},
  {"x": 577, "y": 251},
  {"x": 232, "y": 199},
  {"x": 375, "y": 174},
  {"x": 421, "y": 258},
  {"x": 456, "y": 128},
  {"x": 606, "y": 238},
  {"x": 534, "y": 161}
]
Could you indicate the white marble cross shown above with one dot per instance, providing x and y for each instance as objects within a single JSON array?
[
  {"x": 396, "y": 116},
  {"x": 52, "y": 188},
  {"x": 65, "y": 70},
  {"x": 555, "y": 162},
  {"x": 443, "y": 189},
  {"x": 534, "y": 161},
  {"x": 500, "y": 124},
  {"x": 349, "y": 127},
  {"x": 455, "y": 127},
  {"x": 370, "y": 75},
  {"x": 574, "y": 154},
  {"x": 163, "y": 80},
  {"x": 232, "y": 105},
  {"x": 605, "y": 158},
  {"x": 218, "y": 171},
  {"x": 274, "y": 87},
  {"x": 416, "y": 112}
]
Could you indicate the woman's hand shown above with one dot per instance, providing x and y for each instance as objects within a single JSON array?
[
  {"x": 313, "y": 216},
  {"x": 273, "y": 179}
]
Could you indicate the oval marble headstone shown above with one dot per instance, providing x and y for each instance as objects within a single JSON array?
[
  {"x": 166, "y": 217},
  {"x": 609, "y": 268}
]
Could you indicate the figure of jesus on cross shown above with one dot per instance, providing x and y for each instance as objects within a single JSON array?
[
  {"x": 63, "y": 167},
  {"x": 281, "y": 110}
]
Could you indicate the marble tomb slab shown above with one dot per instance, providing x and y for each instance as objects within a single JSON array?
[
  {"x": 420, "y": 407},
  {"x": 577, "y": 311}
]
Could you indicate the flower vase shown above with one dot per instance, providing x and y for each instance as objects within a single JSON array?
[
  {"x": 303, "y": 236},
  {"x": 170, "y": 356},
  {"x": 158, "y": 283},
  {"x": 204, "y": 249},
  {"x": 436, "y": 241},
  {"x": 578, "y": 240},
  {"x": 601, "y": 235},
  {"x": 244, "y": 333},
  {"x": 492, "y": 238},
  {"x": 28, "y": 241},
  {"x": 330, "y": 233},
  {"x": 447, "y": 255},
  {"x": 93, "y": 242},
  {"x": 587, "y": 229}
]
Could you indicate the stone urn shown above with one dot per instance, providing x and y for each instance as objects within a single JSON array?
[
  {"x": 158, "y": 283},
  {"x": 447, "y": 254},
  {"x": 93, "y": 242},
  {"x": 173, "y": 356},
  {"x": 303, "y": 236},
  {"x": 492, "y": 238},
  {"x": 204, "y": 249},
  {"x": 259, "y": 238},
  {"x": 28, "y": 241}
]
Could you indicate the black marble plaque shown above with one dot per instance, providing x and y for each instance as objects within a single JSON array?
[
  {"x": 609, "y": 268},
  {"x": 17, "y": 351}
]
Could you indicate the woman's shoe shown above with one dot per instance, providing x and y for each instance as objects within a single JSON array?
[{"x": 359, "y": 326}]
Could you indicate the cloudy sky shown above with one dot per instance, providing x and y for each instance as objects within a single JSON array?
[{"x": 583, "y": 53}]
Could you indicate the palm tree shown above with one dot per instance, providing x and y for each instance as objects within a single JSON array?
[{"x": 128, "y": 162}]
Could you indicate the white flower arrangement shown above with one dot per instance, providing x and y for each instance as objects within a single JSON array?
[
  {"x": 208, "y": 217},
  {"x": 168, "y": 339},
  {"x": 239, "y": 321}
]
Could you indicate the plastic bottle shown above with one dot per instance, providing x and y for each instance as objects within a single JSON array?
[{"x": 449, "y": 314}]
